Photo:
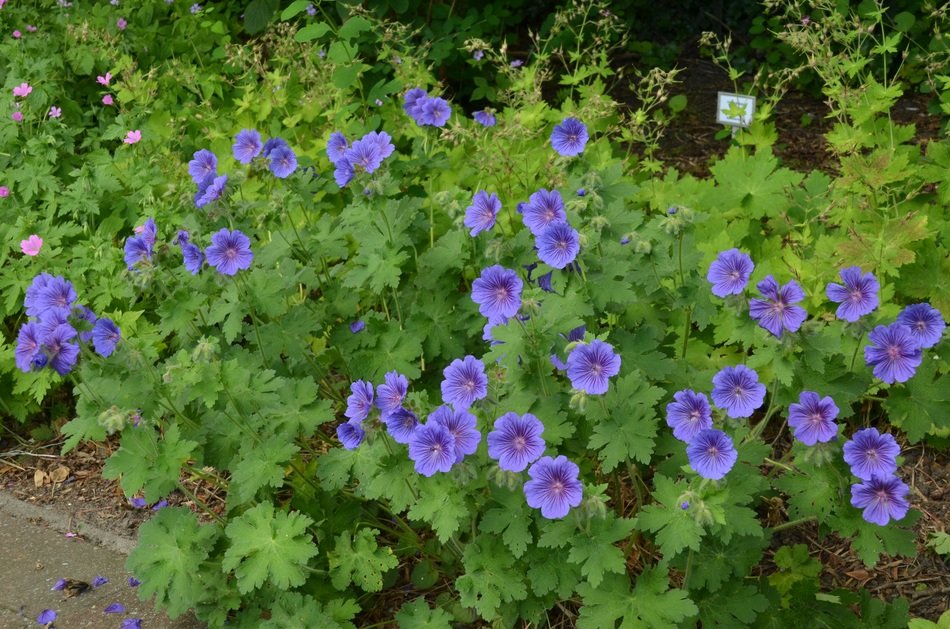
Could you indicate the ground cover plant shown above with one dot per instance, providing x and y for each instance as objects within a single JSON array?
[{"x": 451, "y": 365}]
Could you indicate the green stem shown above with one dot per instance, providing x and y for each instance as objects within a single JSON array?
[
  {"x": 792, "y": 523},
  {"x": 757, "y": 430},
  {"x": 200, "y": 503},
  {"x": 254, "y": 318}
]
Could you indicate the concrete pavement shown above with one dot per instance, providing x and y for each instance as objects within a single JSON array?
[{"x": 35, "y": 552}]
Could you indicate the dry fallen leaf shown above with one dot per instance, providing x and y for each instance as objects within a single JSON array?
[
  {"x": 861, "y": 576},
  {"x": 40, "y": 478},
  {"x": 60, "y": 474}
]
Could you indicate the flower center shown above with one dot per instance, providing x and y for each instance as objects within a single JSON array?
[
  {"x": 855, "y": 296},
  {"x": 694, "y": 416},
  {"x": 520, "y": 443},
  {"x": 231, "y": 253},
  {"x": 816, "y": 418},
  {"x": 501, "y": 293},
  {"x": 596, "y": 368},
  {"x": 734, "y": 275},
  {"x": 871, "y": 454},
  {"x": 557, "y": 488},
  {"x": 920, "y": 325},
  {"x": 470, "y": 386},
  {"x": 737, "y": 391},
  {"x": 713, "y": 451},
  {"x": 893, "y": 352}
]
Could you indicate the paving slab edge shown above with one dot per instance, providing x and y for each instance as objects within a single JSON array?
[{"x": 65, "y": 523}]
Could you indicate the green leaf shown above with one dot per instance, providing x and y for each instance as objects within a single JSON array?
[
  {"x": 268, "y": 546},
  {"x": 675, "y": 527},
  {"x": 441, "y": 504},
  {"x": 312, "y": 31},
  {"x": 812, "y": 491},
  {"x": 490, "y": 578},
  {"x": 293, "y": 609},
  {"x": 940, "y": 542},
  {"x": 651, "y": 604},
  {"x": 145, "y": 461},
  {"x": 512, "y": 520},
  {"x": 628, "y": 429},
  {"x": 258, "y": 14},
  {"x": 735, "y": 605},
  {"x": 870, "y": 540},
  {"x": 295, "y": 7},
  {"x": 596, "y": 553},
  {"x": 353, "y": 27},
  {"x": 919, "y": 406},
  {"x": 418, "y": 615},
  {"x": 260, "y": 464},
  {"x": 360, "y": 561},
  {"x": 169, "y": 559}
]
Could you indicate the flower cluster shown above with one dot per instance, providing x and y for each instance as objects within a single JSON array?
[
  {"x": 229, "y": 252},
  {"x": 366, "y": 154},
  {"x": 203, "y": 169},
  {"x": 451, "y": 433},
  {"x": 711, "y": 452},
  {"x": 426, "y": 110},
  {"x": 556, "y": 241},
  {"x": 873, "y": 459},
  {"x": 896, "y": 350},
  {"x": 48, "y": 338}
]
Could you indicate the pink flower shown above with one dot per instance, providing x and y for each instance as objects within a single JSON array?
[
  {"x": 55, "y": 112},
  {"x": 121, "y": 23},
  {"x": 107, "y": 99},
  {"x": 17, "y": 116},
  {"x": 17, "y": 34},
  {"x": 32, "y": 245},
  {"x": 22, "y": 90},
  {"x": 4, "y": 191},
  {"x": 133, "y": 137},
  {"x": 31, "y": 28},
  {"x": 104, "y": 80}
]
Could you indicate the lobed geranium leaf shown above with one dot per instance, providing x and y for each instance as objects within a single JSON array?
[
  {"x": 676, "y": 528},
  {"x": 651, "y": 604},
  {"x": 360, "y": 560},
  {"x": 490, "y": 577},
  {"x": 418, "y": 615},
  {"x": 512, "y": 520},
  {"x": 169, "y": 559},
  {"x": 268, "y": 545},
  {"x": 149, "y": 463},
  {"x": 628, "y": 430}
]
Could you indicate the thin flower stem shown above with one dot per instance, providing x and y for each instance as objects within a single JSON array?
[
  {"x": 779, "y": 464},
  {"x": 201, "y": 504},
  {"x": 254, "y": 318},
  {"x": 687, "y": 329},
  {"x": 854, "y": 355},
  {"x": 757, "y": 430},
  {"x": 793, "y": 523}
]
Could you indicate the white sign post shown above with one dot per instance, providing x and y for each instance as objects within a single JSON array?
[{"x": 735, "y": 110}]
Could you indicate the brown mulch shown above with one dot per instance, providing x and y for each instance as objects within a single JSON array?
[
  {"x": 74, "y": 483},
  {"x": 923, "y": 580}
]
